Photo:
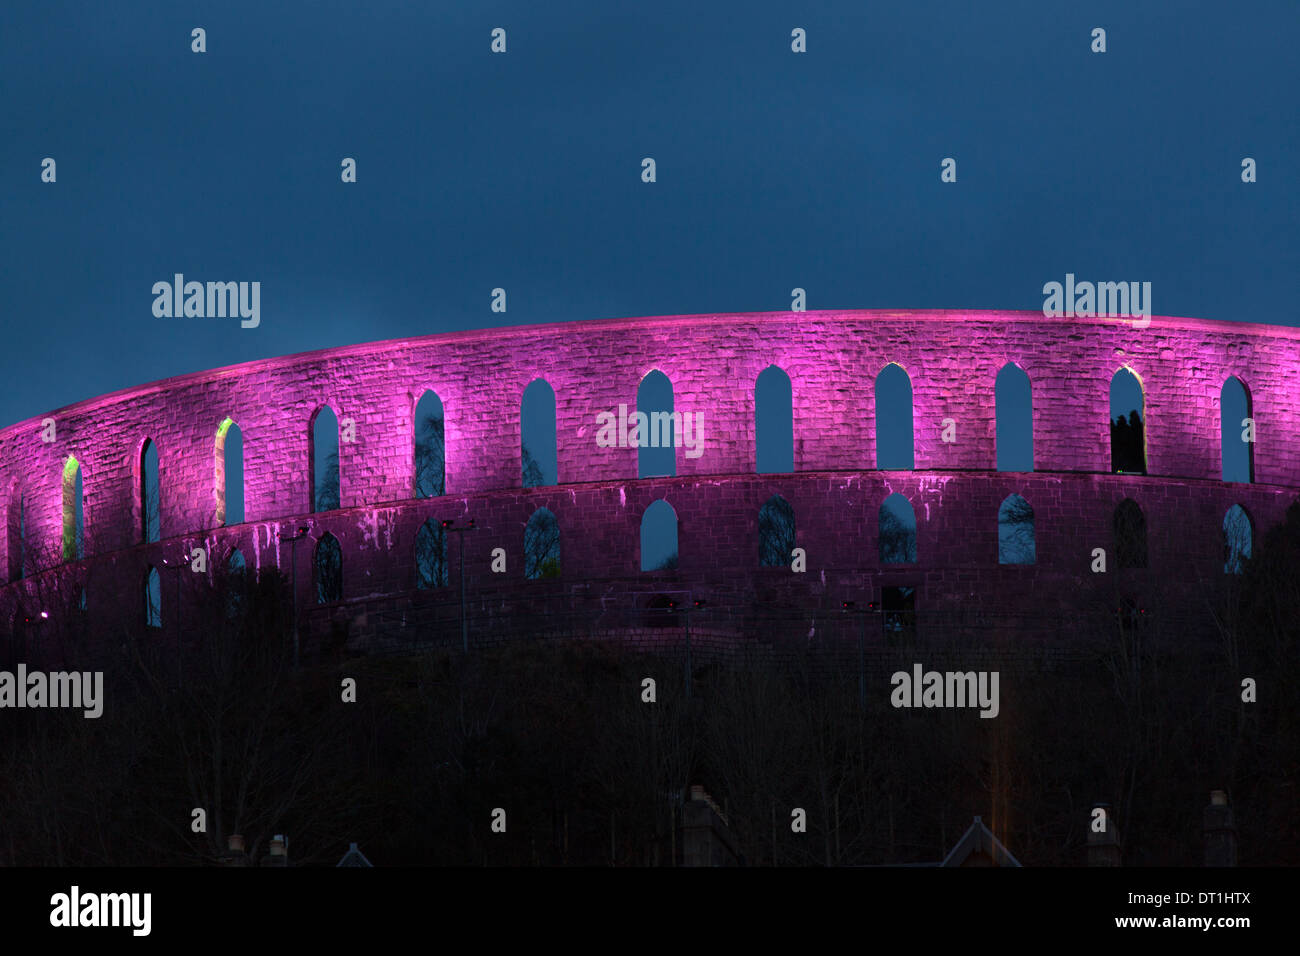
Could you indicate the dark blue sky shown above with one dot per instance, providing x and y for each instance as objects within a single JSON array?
[{"x": 522, "y": 170}]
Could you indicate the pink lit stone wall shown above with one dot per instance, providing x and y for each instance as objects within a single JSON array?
[{"x": 713, "y": 362}]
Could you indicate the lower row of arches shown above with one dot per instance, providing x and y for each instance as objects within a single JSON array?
[{"x": 776, "y": 545}]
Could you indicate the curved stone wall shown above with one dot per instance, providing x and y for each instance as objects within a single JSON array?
[{"x": 713, "y": 361}]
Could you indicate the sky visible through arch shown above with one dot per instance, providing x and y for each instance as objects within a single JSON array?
[{"x": 522, "y": 171}]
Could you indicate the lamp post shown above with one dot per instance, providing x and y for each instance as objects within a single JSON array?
[
  {"x": 293, "y": 561},
  {"x": 450, "y": 525},
  {"x": 686, "y": 617}
]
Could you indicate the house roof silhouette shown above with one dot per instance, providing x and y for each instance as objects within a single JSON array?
[
  {"x": 979, "y": 847},
  {"x": 354, "y": 857}
]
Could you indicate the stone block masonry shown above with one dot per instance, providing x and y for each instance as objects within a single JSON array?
[{"x": 713, "y": 361}]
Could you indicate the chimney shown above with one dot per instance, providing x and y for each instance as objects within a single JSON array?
[
  {"x": 1220, "y": 831},
  {"x": 1104, "y": 846},
  {"x": 279, "y": 854},
  {"x": 236, "y": 855}
]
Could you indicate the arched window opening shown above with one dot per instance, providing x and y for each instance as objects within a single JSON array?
[
  {"x": 236, "y": 584},
  {"x": 74, "y": 518},
  {"x": 773, "y": 423},
  {"x": 898, "y": 613},
  {"x": 1016, "y": 532},
  {"x": 542, "y": 546},
  {"x": 1015, "y": 419},
  {"x": 775, "y": 533},
  {"x": 895, "y": 447},
  {"x": 152, "y": 598},
  {"x": 328, "y": 560},
  {"x": 150, "y": 494},
  {"x": 230, "y": 474},
  {"x": 1237, "y": 431},
  {"x": 430, "y": 447},
  {"x": 1238, "y": 540},
  {"x": 654, "y": 427},
  {"x": 1130, "y": 528},
  {"x": 431, "y": 556},
  {"x": 537, "y": 449},
  {"x": 325, "y": 460},
  {"x": 897, "y": 530},
  {"x": 1128, "y": 443},
  {"x": 659, "y": 537}
]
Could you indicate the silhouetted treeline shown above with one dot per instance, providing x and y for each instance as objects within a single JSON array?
[{"x": 588, "y": 773}]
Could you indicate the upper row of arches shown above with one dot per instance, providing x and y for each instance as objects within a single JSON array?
[{"x": 774, "y": 444}]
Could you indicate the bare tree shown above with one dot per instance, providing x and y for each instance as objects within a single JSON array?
[
  {"x": 897, "y": 537},
  {"x": 327, "y": 561},
  {"x": 1237, "y": 540},
  {"x": 431, "y": 556},
  {"x": 430, "y": 457},
  {"x": 775, "y": 533},
  {"x": 542, "y": 546},
  {"x": 327, "y": 484},
  {"x": 667, "y": 564},
  {"x": 235, "y": 732},
  {"x": 532, "y": 471},
  {"x": 1016, "y": 532}
]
